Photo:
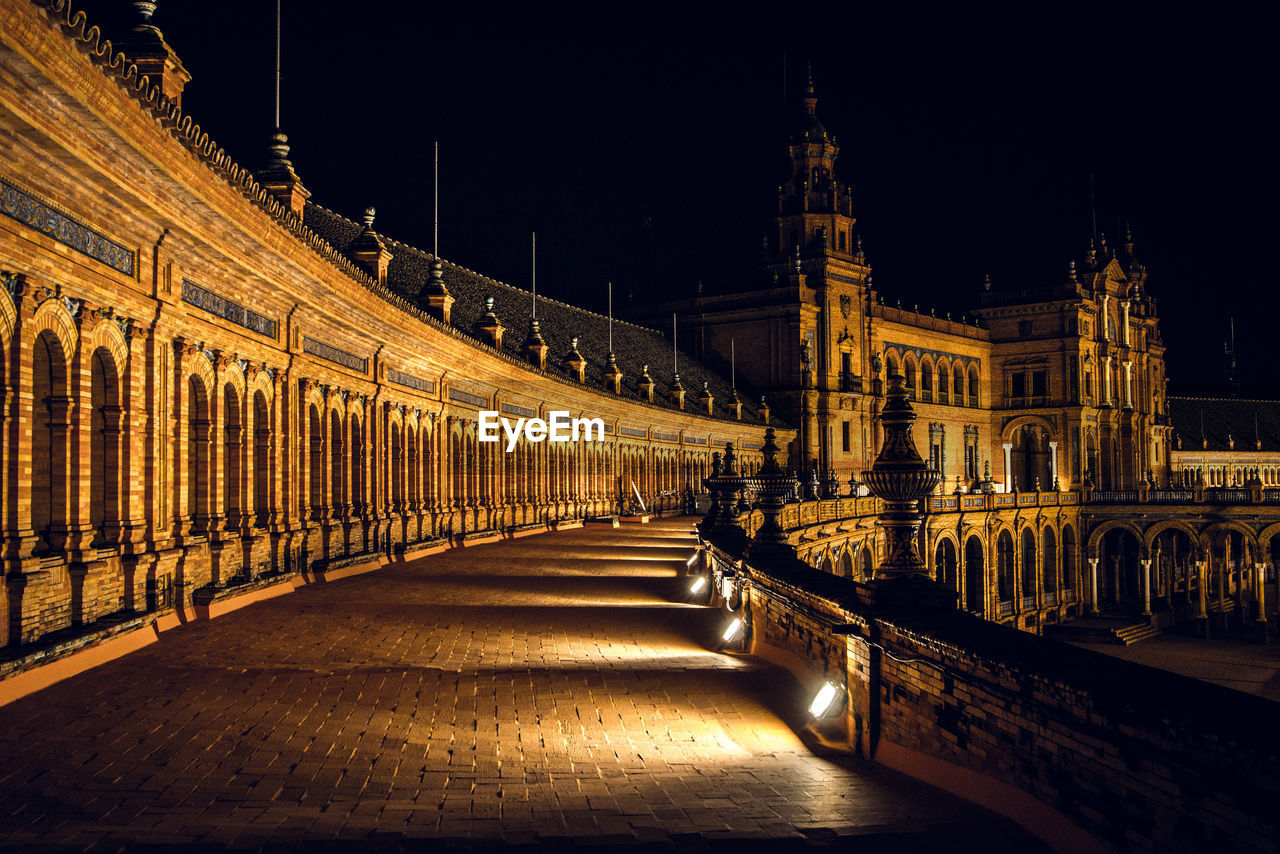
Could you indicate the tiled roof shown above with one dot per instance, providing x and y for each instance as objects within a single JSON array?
[
  {"x": 634, "y": 346},
  {"x": 1214, "y": 418}
]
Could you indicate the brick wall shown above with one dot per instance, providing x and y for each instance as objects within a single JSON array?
[{"x": 1110, "y": 753}]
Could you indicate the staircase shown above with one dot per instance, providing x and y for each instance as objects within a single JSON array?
[{"x": 1125, "y": 631}]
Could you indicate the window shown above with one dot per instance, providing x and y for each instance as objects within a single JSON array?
[
  {"x": 1039, "y": 384},
  {"x": 844, "y": 436},
  {"x": 1017, "y": 385},
  {"x": 840, "y": 237},
  {"x": 846, "y": 372}
]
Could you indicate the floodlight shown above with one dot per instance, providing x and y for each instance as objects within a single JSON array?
[
  {"x": 699, "y": 584},
  {"x": 825, "y": 700},
  {"x": 692, "y": 558},
  {"x": 733, "y": 630}
]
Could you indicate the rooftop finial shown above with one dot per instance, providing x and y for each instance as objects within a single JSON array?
[
  {"x": 145, "y": 9},
  {"x": 533, "y": 242},
  {"x": 810, "y": 99},
  {"x": 367, "y": 219},
  {"x": 986, "y": 282}
]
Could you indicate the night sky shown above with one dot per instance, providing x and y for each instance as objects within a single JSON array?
[{"x": 652, "y": 159}]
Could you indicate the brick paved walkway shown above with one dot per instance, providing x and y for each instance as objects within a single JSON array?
[{"x": 543, "y": 692}]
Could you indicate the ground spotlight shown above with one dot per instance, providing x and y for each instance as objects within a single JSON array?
[
  {"x": 825, "y": 700},
  {"x": 692, "y": 558},
  {"x": 699, "y": 584},
  {"x": 733, "y": 630}
]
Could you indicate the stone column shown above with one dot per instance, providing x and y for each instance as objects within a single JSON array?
[
  {"x": 1146, "y": 586},
  {"x": 1053, "y": 465},
  {"x": 1093, "y": 585},
  {"x": 1008, "y": 466},
  {"x": 1106, "y": 381},
  {"x": 1202, "y": 583},
  {"x": 1128, "y": 383},
  {"x": 1261, "y": 570},
  {"x": 1124, "y": 322}
]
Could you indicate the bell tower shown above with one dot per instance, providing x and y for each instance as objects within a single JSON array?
[{"x": 815, "y": 210}]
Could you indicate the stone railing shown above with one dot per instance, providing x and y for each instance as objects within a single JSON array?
[{"x": 1089, "y": 751}]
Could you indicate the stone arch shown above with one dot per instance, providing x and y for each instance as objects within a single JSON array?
[
  {"x": 1049, "y": 560},
  {"x": 943, "y": 370},
  {"x": 946, "y": 561},
  {"x": 974, "y": 385},
  {"x": 846, "y": 562},
  {"x": 1009, "y": 430},
  {"x": 927, "y": 376},
  {"x": 1096, "y": 535},
  {"x": 909, "y": 373},
  {"x": 105, "y": 335},
  {"x": 1154, "y": 531},
  {"x": 1250, "y": 536},
  {"x": 8, "y": 318},
  {"x": 1004, "y": 565},
  {"x": 196, "y": 364},
  {"x": 261, "y": 382},
  {"x": 52, "y": 316}
]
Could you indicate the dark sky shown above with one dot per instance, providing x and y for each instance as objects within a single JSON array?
[{"x": 649, "y": 154}]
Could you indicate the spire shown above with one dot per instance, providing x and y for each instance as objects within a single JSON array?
[
  {"x": 439, "y": 302},
  {"x": 810, "y": 99},
  {"x": 279, "y": 178}
]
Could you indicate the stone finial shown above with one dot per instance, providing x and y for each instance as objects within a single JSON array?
[
  {"x": 146, "y": 48},
  {"x": 145, "y": 9},
  {"x": 735, "y": 404},
  {"x": 573, "y": 362},
  {"x": 677, "y": 391},
  {"x": 646, "y": 385},
  {"x": 534, "y": 348},
  {"x": 986, "y": 282},
  {"x": 613, "y": 375},
  {"x": 369, "y": 251},
  {"x": 439, "y": 302},
  {"x": 764, "y": 410},
  {"x": 488, "y": 328},
  {"x": 705, "y": 399},
  {"x": 900, "y": 477}
]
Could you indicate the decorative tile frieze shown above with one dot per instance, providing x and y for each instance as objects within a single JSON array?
[
  {"x": 207, "y": 300},
  {"x": 518, "y": 411},
  {"x": 25, "y": 208},
  {"x": 478, "y": 401},
  {"x": 329, "y": 353},
  {"x": 634, "y": 432},
  {"x": 666, "y": 437},
  {"x": 410, "y": 381},
  {"x": 695, "y": 440}
]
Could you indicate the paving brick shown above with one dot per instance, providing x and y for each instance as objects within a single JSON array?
[{"x": 464, "y": 696}]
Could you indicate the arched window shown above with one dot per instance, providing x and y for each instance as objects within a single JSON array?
[
  {"x": 315, "y": 469},
  {"x": 944, "y": 387},
  {"x": 397, "y": 469},
  {"x": 1004, "y": 567},
  {"x": 357, "y": 498},
  {"x": 909, "y": 374},
  {"x": 973, "y": 385},
  {"x": 261, "y": 459},
  {"x": 104, "y": 448},
  {"x": 974, "y": 580},
  {"x": 51, "y": 422},
  {"x": 232, "y": 438},
  {"x": 337, "y": 482},
  {"x": 1028, "y": 562},
  {"x": 957, "y": 384},
  {"x": 926, "y": 381},
  {"x": 199, "y": 441},
  {"x": 944, "y": 563},
  {"x": 1068, "y": 558},
  {"x": 1049, "y": 562}
]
